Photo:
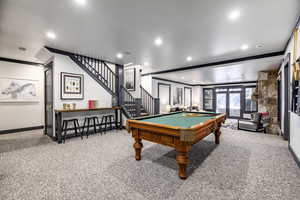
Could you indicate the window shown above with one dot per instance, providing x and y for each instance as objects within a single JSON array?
[
  {"x": 250, "y": 105},
  {"x": 208, "y": 99}
]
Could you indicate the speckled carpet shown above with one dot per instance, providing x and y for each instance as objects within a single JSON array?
[{"x": 245, "y": 165}]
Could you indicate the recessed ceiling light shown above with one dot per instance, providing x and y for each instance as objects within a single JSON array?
[
  {"x": 182, "y": 77},
  {"x": 80, "y": 2},
  {"x": 158, "y": 41},
  {"x": 245, "y": 47},
  {"x": 233, "y": 15},
  {"x": 194, "y": 81},
  {"x": 259, "y": 46},
  {"x": 146, "y": 64},
  {"x": 119, "y": 55},
  {"x": 22, "y": 48},
  {"x": 51, "y": 35},
  {"x": 189, "y": 58}
]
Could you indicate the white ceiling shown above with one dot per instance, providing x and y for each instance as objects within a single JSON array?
[
  {"x": 102, "y": 28},
  {"x": 237, "y": 72}
]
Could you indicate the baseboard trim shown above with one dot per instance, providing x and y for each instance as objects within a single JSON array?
[
  {"x": 20, "y": 130},
  {"x": 294, "y": 156}
]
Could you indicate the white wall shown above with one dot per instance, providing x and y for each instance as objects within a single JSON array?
[
  {"x": 198, "y": 96},
  {"x": 295, "y": 134},
  {"x": 195, "y": 97},
  {"x": 92, "y": 90},
  {"x": 146, "y": 82},
  {"x": 22, "y": 115}
]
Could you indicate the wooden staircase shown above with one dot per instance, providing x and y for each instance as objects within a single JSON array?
[
  {"x": 133, "y": 106},
  {"x": 100, "y": 71}
]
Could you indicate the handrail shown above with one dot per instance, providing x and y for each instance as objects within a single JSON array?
[
  {"x": 147, "y": 101},
  {"x": 94, "y": 69},
  {"x": 144, "y": 90},
  {"x": 128, "y": 102},
  {"x": 127, "y": 93},
  {"x": 101, "y": 70},
  {"x": 109, "y": 68},
  {"x": 100, "y": 61}
]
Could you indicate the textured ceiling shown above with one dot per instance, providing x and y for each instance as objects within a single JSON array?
[{"x": 102, "y": 28}]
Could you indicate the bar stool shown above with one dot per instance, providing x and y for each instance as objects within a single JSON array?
[
  {"x": 94, "y": 121},
  {"x": 65, "y": 128},
  {"x": 106, "y": 118}
]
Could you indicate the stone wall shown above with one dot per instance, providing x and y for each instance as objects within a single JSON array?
[{"x": 267, "y": 89}]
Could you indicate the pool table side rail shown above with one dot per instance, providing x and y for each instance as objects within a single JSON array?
[
  {"x": 203, "y": 130},
  {"x": 173, "y": 113},
  {"x": 192, "y": 134}
]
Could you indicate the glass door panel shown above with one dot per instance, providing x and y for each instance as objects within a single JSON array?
[
  {"x": 221, "y": 103},
  {"x": 235, "y": 104}
]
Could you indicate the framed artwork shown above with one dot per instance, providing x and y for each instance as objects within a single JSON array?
[
  {"x": 129, "y": 75},
  {"x": 18, "y": 90},
  {"x": 177, "y": 98},
  {"x": 72, "y": 86}
]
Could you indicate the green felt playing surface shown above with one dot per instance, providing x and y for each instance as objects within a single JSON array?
[{"x": 178, "y": 119}]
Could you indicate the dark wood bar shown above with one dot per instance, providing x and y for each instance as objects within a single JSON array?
[{"x": 60, "y": 114}]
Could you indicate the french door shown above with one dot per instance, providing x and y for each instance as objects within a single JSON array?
[
  {"x": 229, "y": 101},
  {"x": 234, "y": 104},
  {"x": 188, "y": 96}
]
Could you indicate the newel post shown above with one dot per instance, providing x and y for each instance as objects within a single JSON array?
[
  {"x": 138, "y": 105},
  {"x": 119, "y": 82},
  {"x": 156, "y": 106}
]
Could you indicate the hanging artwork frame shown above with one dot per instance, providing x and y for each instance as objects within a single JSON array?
[{"x": 72, "y": 86}]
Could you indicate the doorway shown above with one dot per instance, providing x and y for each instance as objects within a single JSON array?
[
  {"x": 188, "y": 96},
  {"x": 164, "y": 94},
  {"x": 48, "y": 72},
  {"x": 229, "y": 101}
]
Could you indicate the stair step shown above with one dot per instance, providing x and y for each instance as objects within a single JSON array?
[{"x": 144, "y": 114}]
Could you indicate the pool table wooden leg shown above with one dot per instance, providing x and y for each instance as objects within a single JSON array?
[
  {"x": 138, "y": 145},
  {"x": 182, "y": 161},
  {"x": 217, "y": 135}
]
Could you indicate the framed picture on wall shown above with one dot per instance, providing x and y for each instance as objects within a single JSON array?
[
  {"x": 129, "y": 75},
  {"x": 72, "y": 86},
  {"x": 18, "y": 90},
  {"x": 177, "y": 98}
]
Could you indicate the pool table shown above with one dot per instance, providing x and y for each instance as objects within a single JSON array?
[{"x": 179, "y": 130}]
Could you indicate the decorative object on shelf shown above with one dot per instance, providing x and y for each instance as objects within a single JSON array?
[
  {"x": 18, "y": 90},
  {"x": 72, "y": 86},
  {"x": 129, "y": 75},
  {"x": 92, "y": 104},
  {"x": 67, "y": 106},
  {"x": 168, "y": 108}
]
